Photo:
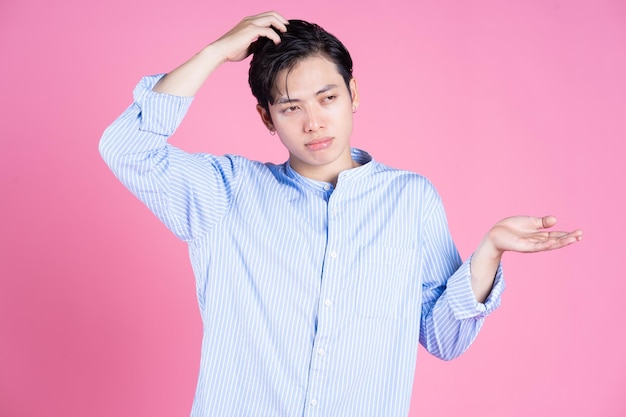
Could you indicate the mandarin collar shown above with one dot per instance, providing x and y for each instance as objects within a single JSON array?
[{"x": 366, "y": 163}]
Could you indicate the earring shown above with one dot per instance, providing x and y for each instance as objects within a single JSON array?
[{"x": 272, "y": 132}]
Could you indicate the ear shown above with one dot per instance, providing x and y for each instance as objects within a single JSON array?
[
  {"x": 266, "y": 118},
  {"x": 354, "y": 93}
]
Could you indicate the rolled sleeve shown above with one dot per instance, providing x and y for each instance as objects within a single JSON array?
[
  {"x": 161, "y": 113},
  {"x": 462, "y": 299}
]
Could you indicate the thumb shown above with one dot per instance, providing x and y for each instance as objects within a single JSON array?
[{"x": 547, "y": 221}]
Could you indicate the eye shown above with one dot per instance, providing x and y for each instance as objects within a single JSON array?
[
  {"x": 329, "y": 98},
  {"x": 290, "y": 109}
]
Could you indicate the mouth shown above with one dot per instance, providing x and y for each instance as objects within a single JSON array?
[{"x": 319, "y": 143}]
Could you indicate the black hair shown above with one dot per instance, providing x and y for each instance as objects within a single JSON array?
[{"x": 301, "y": 40}]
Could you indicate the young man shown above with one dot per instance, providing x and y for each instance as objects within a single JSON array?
[{"x": 317, "y": 278}]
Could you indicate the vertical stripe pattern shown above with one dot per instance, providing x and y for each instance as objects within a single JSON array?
[{"x": 313, "y": 297}]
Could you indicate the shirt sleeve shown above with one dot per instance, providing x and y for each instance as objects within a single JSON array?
[
  {"x": 451, "y": 315},
  {"x": 189, "y": 193}
]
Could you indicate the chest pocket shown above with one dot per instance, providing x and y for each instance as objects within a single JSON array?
[{"x": 385, "y": 282}]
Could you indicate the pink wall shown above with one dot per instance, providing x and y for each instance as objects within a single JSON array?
[{"x": 512, "y": 107}]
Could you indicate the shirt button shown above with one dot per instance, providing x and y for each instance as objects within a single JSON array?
[
  {"x": 333, "y": 254},
  {"x": 321, "y": 352},
  {"x": 328, "y": 302},
  {"x": 313, "y": 402},
  {"x": 326, "y": 187}
]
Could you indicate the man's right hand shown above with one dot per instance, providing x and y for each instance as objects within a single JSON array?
[{"x": 234, "y": 46}]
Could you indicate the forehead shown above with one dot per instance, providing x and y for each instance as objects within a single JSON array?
[{"x": 307, "y": 76}]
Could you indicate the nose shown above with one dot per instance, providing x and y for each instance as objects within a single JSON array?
[{"x": 314, "y": 120}]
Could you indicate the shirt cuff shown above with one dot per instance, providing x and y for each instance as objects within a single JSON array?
[
  {"x": 160, "y": 113},
  {"x": 462, "y": 299}
]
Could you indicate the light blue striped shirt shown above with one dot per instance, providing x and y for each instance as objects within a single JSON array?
[{"x": 313, "y": 297}]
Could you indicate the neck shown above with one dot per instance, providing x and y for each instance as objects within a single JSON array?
[{"x": 325, "y": 173}]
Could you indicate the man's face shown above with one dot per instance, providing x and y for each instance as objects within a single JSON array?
[{"x": 312, "y": 114}]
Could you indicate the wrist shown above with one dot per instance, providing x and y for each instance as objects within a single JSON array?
[
  {"x": 487, "y": 249},
  {"x": 212, "y": 55},
  {"x": 483, "y": 266}
]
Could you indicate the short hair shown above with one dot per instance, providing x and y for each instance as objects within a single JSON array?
[{"x": 301, "y": 40}]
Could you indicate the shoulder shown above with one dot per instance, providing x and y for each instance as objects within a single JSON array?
[{"x": 406, "y": 180}]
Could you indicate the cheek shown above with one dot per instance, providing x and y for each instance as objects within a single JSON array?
[
  {"x": 344, "y": 118},
  {"x": 287, "y": 125}
]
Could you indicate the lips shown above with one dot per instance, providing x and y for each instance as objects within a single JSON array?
[{"x": 319, "y": 144}]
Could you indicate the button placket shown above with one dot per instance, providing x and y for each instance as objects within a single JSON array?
[{"x": 326, "y": 314}]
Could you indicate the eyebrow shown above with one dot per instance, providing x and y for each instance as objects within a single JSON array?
[{"x": 284, "y": 100}]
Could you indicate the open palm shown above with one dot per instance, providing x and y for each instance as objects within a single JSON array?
[{"x": 527, "y": 234}]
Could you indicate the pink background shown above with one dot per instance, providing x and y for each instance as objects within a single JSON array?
[{"x": 512, "y": 107}]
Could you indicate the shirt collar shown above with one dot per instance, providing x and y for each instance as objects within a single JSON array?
[{"x": 364, "y": 159}]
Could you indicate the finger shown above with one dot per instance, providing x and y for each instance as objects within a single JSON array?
[
  {"x": 268, "y": 19},
  {"x": 575, "y": 236},
  {"x": 557, "y": 235},
  {"x": 542, "y": 237},
  {"x": 548, "y": 221},
  {"x": 560, "y": 241},
  {"x": 268, "y": 28},
  {"x": 272, "y": 13},
  {"x": 568, "y": 237},
  {"x": 269, "y": 33},
  {"x": 565, "y": 241},
  {"x": 280, "y": 18}
]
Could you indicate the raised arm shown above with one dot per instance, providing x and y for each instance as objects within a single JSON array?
[
  {"x": 189, "y": 192},
  {"x": 234, "y": 46}
]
